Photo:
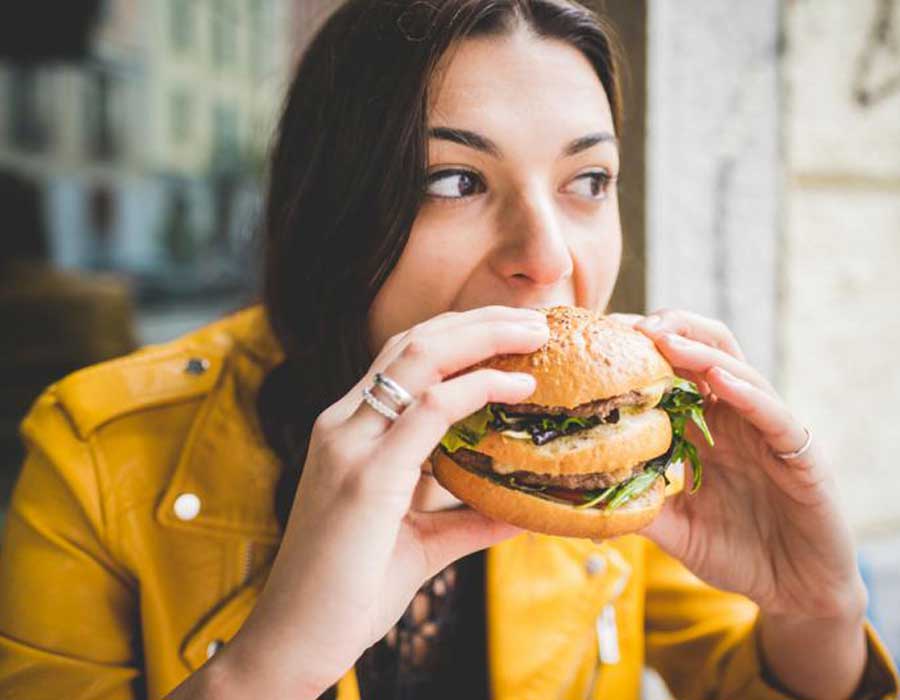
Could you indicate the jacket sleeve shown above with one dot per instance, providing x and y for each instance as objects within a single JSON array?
[
  {"x": 703, "y": 641},
  {"x": 68, "y": 612}
]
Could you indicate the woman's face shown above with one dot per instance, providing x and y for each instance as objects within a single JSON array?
[{"x": 521, "y": 206}]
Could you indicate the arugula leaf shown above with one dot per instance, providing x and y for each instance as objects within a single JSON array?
[
  {"x": 684, "y": 401},
  {"x": 575, "y": 420},
  {"x": 633, "y": 488},
  {"x": 681, "y": 402},
  {"x": 594, "y": 500}
]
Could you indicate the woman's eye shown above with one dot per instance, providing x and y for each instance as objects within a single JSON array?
[
  {"x": 593, "y": 185},
  {"x": 454, "y": 184}
]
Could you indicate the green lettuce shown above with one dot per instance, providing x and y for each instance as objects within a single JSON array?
[
  {"x": 681, "y": 403},
  {"x": 684, "y": 402},
  {"x": 469, "y": 431}
]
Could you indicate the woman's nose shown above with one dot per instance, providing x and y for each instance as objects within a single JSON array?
[{"x": 534, "y": 245}]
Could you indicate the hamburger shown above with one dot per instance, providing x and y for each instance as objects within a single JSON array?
[{"x": 589, "y": 453}]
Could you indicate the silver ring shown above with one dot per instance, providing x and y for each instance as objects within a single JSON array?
[
  {"x": 397, "y": 393},
  {"x": 379, "y": 405},
  {"x": 798, "y": 452}
]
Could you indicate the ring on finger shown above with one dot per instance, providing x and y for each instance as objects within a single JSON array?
[
  {"x": 378, "y": 405},
  {"x": 793, "y": 454},
  {"x": 395, "y": 392}
]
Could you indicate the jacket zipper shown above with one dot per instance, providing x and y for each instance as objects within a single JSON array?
[{"x": 247, "y": 562}]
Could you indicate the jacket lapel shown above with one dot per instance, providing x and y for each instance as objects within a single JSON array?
[{"x": 226, "y": 463}]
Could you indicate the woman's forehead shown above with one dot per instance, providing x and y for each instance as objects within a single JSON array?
[{"x": 517, "y": 78}]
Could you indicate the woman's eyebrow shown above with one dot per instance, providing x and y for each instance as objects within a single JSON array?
[{"x": 484, "y": 144}]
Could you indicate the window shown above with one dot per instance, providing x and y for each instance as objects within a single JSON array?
[
  {"x": 181, "y": 24},
  {"x": 181, "y": 114},
  {"x": 101, "y": 123},
  {"x": 224, "y": 32},
  {"x": 261, "y": 26},
  {"x": 29, "y": 127},
  {"x": 226, "y": 147}
]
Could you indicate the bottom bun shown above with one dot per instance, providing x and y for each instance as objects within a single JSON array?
[{"x": 541, "y": 515}]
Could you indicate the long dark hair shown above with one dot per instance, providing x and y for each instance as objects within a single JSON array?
[{"x": 347, "y": 172}]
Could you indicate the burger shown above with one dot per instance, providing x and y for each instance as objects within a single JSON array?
[{"x": 589, "y": 453}]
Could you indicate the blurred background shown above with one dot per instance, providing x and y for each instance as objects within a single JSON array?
[{"x": 760, "y": 185}]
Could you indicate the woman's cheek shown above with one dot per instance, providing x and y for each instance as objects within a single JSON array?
[
  {"x": 438, "y": 258},
  {"x": 597, "y": 257}
]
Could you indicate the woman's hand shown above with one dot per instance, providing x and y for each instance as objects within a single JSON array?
[
  {"x": 765, "y": 527},
  {"x": 353, "y": 554}
]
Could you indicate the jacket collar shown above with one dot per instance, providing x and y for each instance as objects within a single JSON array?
[{"x": 225, "y": 462}]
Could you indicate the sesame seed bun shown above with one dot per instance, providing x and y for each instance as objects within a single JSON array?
[{"x": 587, "y": 357}]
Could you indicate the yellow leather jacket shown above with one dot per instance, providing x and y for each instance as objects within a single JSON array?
[{"x": 142, "y": 526}]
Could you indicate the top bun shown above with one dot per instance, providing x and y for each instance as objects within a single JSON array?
[{"x": 588, "y": 357}]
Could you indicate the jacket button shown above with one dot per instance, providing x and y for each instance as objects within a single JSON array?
[
  {"x": 213, "y": 647},
  {"x": 196, "y": 365},
  {"x": 187, "y": 506},
  {"x": 595, "y": 564}
]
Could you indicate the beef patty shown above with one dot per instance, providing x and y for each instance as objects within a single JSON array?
[
  {"x": 579, "y": 482},
  {"x": 600, "y": 407}
]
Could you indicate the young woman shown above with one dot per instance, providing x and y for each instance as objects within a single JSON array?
[{"x": 439, "y": 169}]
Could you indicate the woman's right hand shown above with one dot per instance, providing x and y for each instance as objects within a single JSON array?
[{"x": 353, "y": 554}]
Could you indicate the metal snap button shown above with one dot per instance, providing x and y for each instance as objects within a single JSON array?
[
  {"x": 595, "y": 564},
  {"x": 187, "y": 506},
  {"x": 213, "y": 647},
  {"x": 620, "y": 584},
  {"x": 196, "y": 366}
]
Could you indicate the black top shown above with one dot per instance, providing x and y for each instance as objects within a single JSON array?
[{"x": 438, "y": 649}]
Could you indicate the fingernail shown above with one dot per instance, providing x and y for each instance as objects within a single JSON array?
[
  {"x": 677, "y": 340},
  {"x": 533, "y": 313},
  {"x": 540, "y": 327},
  {"x": 729, "y": 377},
  {"x": 522, "y": 378},
  {"x": 651, "y": 323}
]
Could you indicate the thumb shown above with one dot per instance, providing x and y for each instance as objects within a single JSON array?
[
  {"x": 448, "y": 535},
  {"x": 669, "y": 530},
  {"x": 627, "y": 319}
]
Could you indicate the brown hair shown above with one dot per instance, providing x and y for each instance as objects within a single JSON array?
[{"x": 347, "y": 174}]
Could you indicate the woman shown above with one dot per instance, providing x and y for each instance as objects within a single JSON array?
[{"x": 439, "y": 168}]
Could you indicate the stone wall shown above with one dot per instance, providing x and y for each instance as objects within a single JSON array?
[
  {"x": 713, "y": 165},
  {"x": 840, "y": 315}
]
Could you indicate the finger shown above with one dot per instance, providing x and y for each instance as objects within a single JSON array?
[
  {"x": 694, "y": 326},
  {"x": 698, "y": 357},
  {"x": 422, "y": 425},
  {"x": 700, "y": 382},
  {"x": 668, "y": 529},
  {"x": 632, "y": 320},
  {"x": 449, "y": 320},
  {"x": 428, "y": 359},
  {"x": 627, "y": 319},
  {"x": 449, "y": 535},
  {"x": 768, "y": 414},
  {"x": 445, "y": 323}
]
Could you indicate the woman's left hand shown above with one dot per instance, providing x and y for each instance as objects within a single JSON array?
[{"x": 765, "y": 527}]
